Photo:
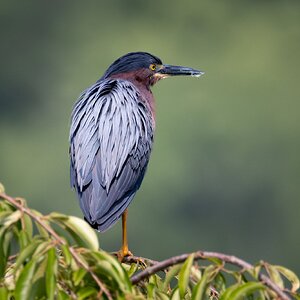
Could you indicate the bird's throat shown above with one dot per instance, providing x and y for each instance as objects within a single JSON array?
[{"x": 142, "y": 84}]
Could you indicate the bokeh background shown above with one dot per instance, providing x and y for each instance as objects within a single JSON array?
[{"x": 225, "y": 170}]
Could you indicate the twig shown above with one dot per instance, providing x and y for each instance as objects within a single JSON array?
[
  {"x": 206, "y": 255},
  {"x": 12, "y": 257},
  {"x": 137, "y": 259},
  {"x": 59, "y": 240}
]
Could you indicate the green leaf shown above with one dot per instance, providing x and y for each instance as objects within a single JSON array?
[
  {"x": 38, "y": 287},
  {"x": 176, "y": 295},
  {"x": 219, "y": 282},
  {"x": 26, "y": 253},
  {"x": 61, "y": 295},
  {"x": 170, "y": 275},
  {"x": 238, "y": 291},
  {"x": 162, "y": 296},
  {"x": 23, "y": 239},
  {"x": 6, "y": 206},
  {"x": 289, "y": 275},
  {"x": 25, "y": 281},
  {"x": 184, "y": 275},
  {"x": 5, "y": 243},
  {"x": 105, "y": 268},
  {"x": 195, "y": 274},
  {"x": 28, "y": 225},
  {"x": 51, "y": 272},
  {"x": 78, "y": 275},
  {"x": 3, "y": 215},
  {"x": 57, "y": 216},
  {"x": 3, "y": 260},
  {"x": 3, "y": 292},
  {"x": 156, "y": 280},
  {"x": 274, "y": 275},
  {"x": 121, "y": 274},
  {"x": 10, "y": 219},
  {"x": 67, "y": 254},
  {"x": 110, "y": 269},
  {"x": 215, "y": 260},
  {"x": 42, "y": 231},
  {"x": 80, "y": 230},
  {"x": 255, "y": 271},
  {"x": 208, "y": 275},
  {"x": 87, "y": 292},
  {"x": 41, "y": 248},
  {"x": 151, "y": 291},
  {"x": 2, "y": 189},
  {"x": 132, "y": 269}
]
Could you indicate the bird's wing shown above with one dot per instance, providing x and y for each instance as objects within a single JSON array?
[{"x": 110, "y": 143}]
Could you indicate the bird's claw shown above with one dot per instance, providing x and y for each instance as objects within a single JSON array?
[{"x": 123, "y": 253}]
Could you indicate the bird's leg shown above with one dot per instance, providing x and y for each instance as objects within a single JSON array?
[
  {"x": 124, "y": 232},
  {"x": 124, "y": 251}
]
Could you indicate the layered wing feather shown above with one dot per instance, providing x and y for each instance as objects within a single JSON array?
[{"x": 110, "y": 143}]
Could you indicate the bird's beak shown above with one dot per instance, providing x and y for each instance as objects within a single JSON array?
[{"x": 168, "y": 70}]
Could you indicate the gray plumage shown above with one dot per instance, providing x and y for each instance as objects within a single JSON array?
[{"x": 111, "y": 138}]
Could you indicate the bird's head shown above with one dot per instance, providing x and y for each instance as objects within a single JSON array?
[{"x": 146, "y": 68}]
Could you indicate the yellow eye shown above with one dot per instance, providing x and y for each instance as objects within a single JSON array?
[{"x": 152, "y": 67}]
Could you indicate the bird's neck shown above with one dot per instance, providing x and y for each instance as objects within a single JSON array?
[{"x": 142, "y": 85}]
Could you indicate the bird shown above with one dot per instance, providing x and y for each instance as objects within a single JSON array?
[{"x": 111, "y": 138}]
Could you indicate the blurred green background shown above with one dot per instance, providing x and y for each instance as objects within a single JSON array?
[{"x": 225, "y": 170}]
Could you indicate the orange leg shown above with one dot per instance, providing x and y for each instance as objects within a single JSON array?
[{"x": 124, "y": 251}]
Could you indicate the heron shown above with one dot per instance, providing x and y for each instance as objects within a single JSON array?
[{"x": 111, "y": 138}]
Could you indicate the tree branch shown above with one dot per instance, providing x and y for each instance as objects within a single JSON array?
[
  {"x": 159, "y": 266},
  {"x": 138, "y": 259},
  {"x": 59, "y": 240}
]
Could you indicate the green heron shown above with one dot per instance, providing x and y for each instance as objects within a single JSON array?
[{"x": 111, "y": 138}]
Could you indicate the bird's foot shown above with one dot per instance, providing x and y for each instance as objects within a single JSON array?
[
  {"x": 139, "y": 261},
  {"x": 129, "y": 258},
  {"x": 123, "y": 252}
]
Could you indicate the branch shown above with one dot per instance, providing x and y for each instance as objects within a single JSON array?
[
  {"x": 138, "y": 260},
  {"x": 206, "y": 255},
  {"x": 59, "y": 240}
]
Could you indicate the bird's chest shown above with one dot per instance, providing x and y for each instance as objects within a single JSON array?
[
  {"x": 142, "y": 122},
  {"x": 146, "y": 102},
  {"x": 140, "y": 106}
]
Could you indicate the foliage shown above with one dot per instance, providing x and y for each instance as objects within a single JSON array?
[{"x": 56, "y": 256}]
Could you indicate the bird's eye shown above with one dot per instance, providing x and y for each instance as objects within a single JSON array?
[{"x": 152, "y": 67}]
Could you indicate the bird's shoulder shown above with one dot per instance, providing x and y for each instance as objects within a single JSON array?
[
  {"x": 109, "y": 118},
  {"x": 109, "y": 96},
  {"x": 117, "y": 91},
  {"x": 104, "y": 88}
]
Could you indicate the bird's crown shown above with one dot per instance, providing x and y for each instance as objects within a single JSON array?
[{"x": 132, "y": 61}]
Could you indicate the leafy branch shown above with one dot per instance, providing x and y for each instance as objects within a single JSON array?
[
  {"x": 57, "y": 256},
  {"x": 204, "y": 255},
  {"x": 17, "y": 202}
]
